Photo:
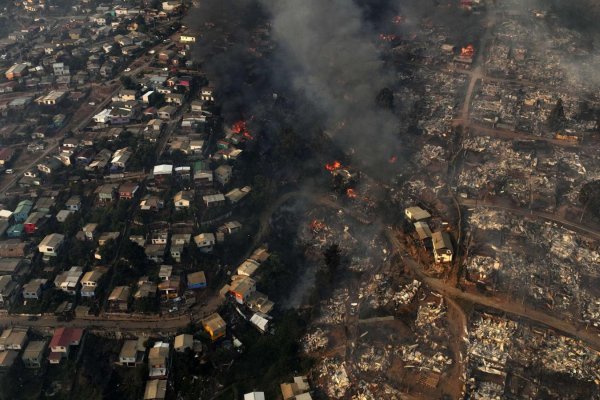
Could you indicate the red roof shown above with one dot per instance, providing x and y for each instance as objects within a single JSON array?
[{"x": 64, "y": 337}]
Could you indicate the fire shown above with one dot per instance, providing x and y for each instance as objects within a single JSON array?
[
  {"x": 317, "y": 225},
  {"x": 387, "y": 38},
  {"x": 393, "y": 159},
  {"x": 351, "y": 193},
  {"x": 398, "y": 19},
  {"x": 334, "y": 166},
  {"x": 241, "y": 128},
  {"x": 468, "y": 51}
]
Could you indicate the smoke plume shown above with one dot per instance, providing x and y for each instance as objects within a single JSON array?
[{"x": 331, "y": 60}]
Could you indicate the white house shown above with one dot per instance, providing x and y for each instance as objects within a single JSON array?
[
  {"x": 67, "y": 281},
  {"x": 183, "y": 199},
  {"x": 442, "y": 247},
  {"x": 51, "y": 244},
  {"x": 205, "y": 242},
  {"x": 416, "y": 213},
  {"x": 223, "y": 174},
  {"x": 33, "y": 289}
]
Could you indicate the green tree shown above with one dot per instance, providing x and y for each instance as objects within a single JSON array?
[
  {"x": 128, "y": 82},
  {"x": 109, "y": 250}
]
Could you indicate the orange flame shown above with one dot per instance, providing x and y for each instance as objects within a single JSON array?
[
  {"x": 468, "y": 51},
  {"x": 351, "y": 193},
  {"x": 240, "y": 128},
  {"x": 317, "y": 225},
  {"x": 334, "y": 166}
]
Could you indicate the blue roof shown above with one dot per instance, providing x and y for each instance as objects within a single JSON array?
[{"x": 24, "y": 207}]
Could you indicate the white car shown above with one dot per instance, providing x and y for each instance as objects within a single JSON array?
[
  {"x": 127, "y": 69},
  {"x": 9, "y": 171}
]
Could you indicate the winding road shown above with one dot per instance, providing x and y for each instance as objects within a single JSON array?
[{"x": 501, "y": 304}]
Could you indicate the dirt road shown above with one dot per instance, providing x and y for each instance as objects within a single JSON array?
[{"x": 501, "y": 304}]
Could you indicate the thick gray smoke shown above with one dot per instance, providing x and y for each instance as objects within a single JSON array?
[
  {"x": 332, "y": 61},
  {"x": 570, "y": 30}
]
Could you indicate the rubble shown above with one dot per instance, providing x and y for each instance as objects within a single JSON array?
[
  {"x": 373, "y": 359},
  {"x": 542, "y": 263},
  {"x": 564, "y": 355},
  {"x": 314, "y": 341},
  {"x": 489, "y": 341},
  {"x": 430, "y": 351},
  {"x": 487, "y": 391},
  {"x": 333, "y": 310},
  {"x": 407, "y": 294},
  {"x": 333, "y": 377}
]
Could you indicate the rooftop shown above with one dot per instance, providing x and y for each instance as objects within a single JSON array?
[{"x": 64, "y": 337}]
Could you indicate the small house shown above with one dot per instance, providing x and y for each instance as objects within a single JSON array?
[
  {"x": 51, "y": 244},
  {"x": 33, "y": 355},
  {"x": 183, "y": 199},
  {"x": 158, "y": 361},
  {"x": 118, "y": 300},
  {"x": 33, "y": 289},
  {"x": 156, "y": 389},
  {"x": 205, "y": 242},
  {"x": 73, "y": 203},
  {"x": 63, "y": 340},
  {"x": 22, "y": 211},
  {"x": 213, "y": 200},
  {"x": 443, "y": 250},
  {"x": 242, "y": 288},
  {"x": 215, "y": 326},
  {"x": 128, "y": 190},
  {"x": 132, "y": 353},
  {"x": 196, "y": 280},
  {"x": 416, "y": 213}
]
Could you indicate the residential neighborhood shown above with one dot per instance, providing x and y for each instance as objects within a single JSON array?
[{"x": 252, "y": 199}]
